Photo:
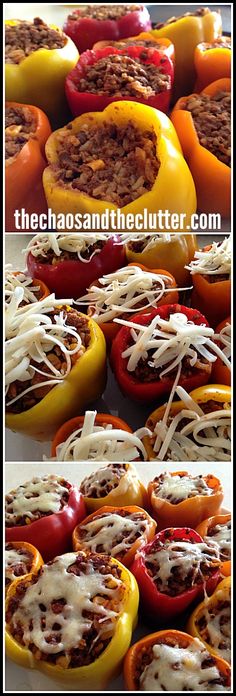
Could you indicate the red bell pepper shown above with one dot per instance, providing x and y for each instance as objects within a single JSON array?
[
  {"x": 156, "y": 604},
  {"x": 71, "y": 278},
  {"x": 83, "y": 102},
  {"x": 52, "y": 534},
  {"x": 84, "y": 31},
  {"x": 146, "y": 392}
]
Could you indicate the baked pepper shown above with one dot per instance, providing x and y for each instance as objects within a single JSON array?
[
  {"x": 126, "y": 556},
  {"x": 190, "y": 511},
  {"x": 152, "y": 390},
  {"x": 135, "y": 663},
  {"x": 39, "y": 78},
  {"x": 158, "y": 604},
  {"x": 85, "y": 30},
  {"x": 106, "y": 666},
  {"x": 212, "y": 298},
  {"x": 186, "y": 33},
  {"x": 51, "y": 534},
  {"x": 23, "y": 172},
  {"x": 33, "y": 554},
  {"x": 169, "y": 251},
  {"x": 71, "y": 277},
  {"x": 81, "y": 102},
  {"x": 219, "y": 393},
  {"x": 147, "y": 39},
  {"x": 211, "y": 176},
  {"x": 212, "y": 61},
  {"x": 220, "y": 372},
  {"x": 84, "y": 383},
  {"x": 205, "y": 528},
  {"x": 128, "y": 490},
  {"x": 202, "y": 625},
  {"x": 178, "y": 197}
]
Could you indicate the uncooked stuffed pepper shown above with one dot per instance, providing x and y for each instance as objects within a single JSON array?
[
  {"x": 210, "y": 271},
  {"x": 105, "y": 22},
  {"x": 212, "y": 61},
  {"x": 147, "y": 39},
  {"x": 220, "y": 372},
  {"x": 113, "y": 484},
  {"x": 34, "y": 289},
  {"x": 210, "y": 622},
  {"x": 169, "y": 251}
]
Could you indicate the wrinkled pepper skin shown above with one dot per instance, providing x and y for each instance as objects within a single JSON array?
[
  {"x": 211, "y": 64},
  {"x": 130, "y": 491},
  {"x": 212, "y": 178},
  {"x": 85, "y": 382},
  {"x": 23, "y": 173},
  {"x": 186, "y": 33},
  {"x": 205, "y": 527},
  {"x": 107, "y": 665},
  {"x": 177, "y": 197},
  {"x": 222, "y": 593},
  {"x": 83, "y": 102},
  {"x": 168, "y": 636},
  {"x": 52, "y": 534},
  {"x": 75, "y": 423},
  {"x": 84, "y": 31},
  {"x": 71, "y": 278},
  {"x": 171, "y": 254},
  {"x": 189, "y": 512},
  {"x": 164, "y": 45},
  {"x": 39, "y": 79},
  {"x": 37, "y": 560},
  {"x": 220, "y": 372}
]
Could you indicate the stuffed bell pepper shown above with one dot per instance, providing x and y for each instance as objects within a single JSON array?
[
  {"x": 37, "y": 60},
  {"x": 21, "y": 558},
  {"x": 55, "y": 362},
  {"x": 196, "y": 428},
  {"x": 44, "y": 512},
  {"x": 34, "y": 289},
  {"x": 113, "y": 484},
  {"x": 212, "y": 61},
  {"x": 220, "y": 372},
  {"x": 218, "y": 529},
  {"x": 211, "y": 277},
  {"x": 210, "y": 622},
  {"x": 122, "y": 157},
  {"x": 73, "y": 620},
  {"x": 26, "y": 131},
  {"x": 146, "y": 39},
  {"x": 92, "y": 23},
  {"x": 170, "y": 251}
]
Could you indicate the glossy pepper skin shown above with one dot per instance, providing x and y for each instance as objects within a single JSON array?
[
  {"x": 220, "y": 371},
  {"x": 221, "y": 594},
  {"x": 177, "y": 197},
  {"x": 212, "y": 178},
  {"x": 71, "y": 277},
  {"x": 209, "y": 392},
  {"x": 39, "y": 78},
  {"x": 171, "y": 254},
  {"x": 159, "y": 605},
  {"x": 36, "y": 562},
  {"x": 51, "y": 534},
  {"x": 84, "y": 383},
  {"x": 110, "y": 329},
  {"x": 23, "y": 173},
  {"x": 146, "y": 392},
  {"x": 126, "y": 557},
  {"x": 211, "y": 64},
  {"x": 84, "y": 31},
  {"x": 97, "y": 674},
  {"x": 164, "y": 45},
  {"x": 168, "y": 637},
  {"x": 186, "y": 33},
  {"x": 82, "y": 102},
  {"x": 214, "y": 299},
  {"x": 130, "y": 491},
  {"x": 75, "y": 423},
  {"x": 203, "y": 529},
  {"x": 189, "y": 512}
]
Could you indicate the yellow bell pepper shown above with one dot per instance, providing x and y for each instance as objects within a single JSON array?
[
  {"x": 221, "y": 594},
  {"x": 96, "y": 675},
  {"x": 173, "y": 189},
  {"x": 85, "y": 382},
  {"x": 186, "y": 33},
  {"x": 169, "y": 253},
  {"x": 39, "y": 78}
]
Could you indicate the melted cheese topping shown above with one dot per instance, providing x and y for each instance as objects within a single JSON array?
[
  {"x": 225, "y": 340},
  {"x": 20, "y": 280},
  {"x": 30, "y": 335},
  {"x": 101, "y": 443},
  {"x": 222, "y": 536},
  {"x": 43, "y": 494},
  {"x": 122, "y": 479},
  {"x": 214, "y": 261},
  {"x": 178, "y": 488},
  {"x": 219, "y": 629},
  {"x": 14, "y": 557},
  {"x": 162, "y": 674},
  {"x": 79, "y": 591},
  {"x": 76, "y": 244},
  {"x": 121, "y": 291},
  {"x": 113, "y": 532},
  {"x": 182, "y": 554}
]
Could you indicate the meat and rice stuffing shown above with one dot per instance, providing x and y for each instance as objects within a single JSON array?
[
  {"x": 40, "y": 497},
  {"x": 103, "y": 12},
  {"x": 20, "y": 127},
  {"x": 198, "y": 13},
  {"x": 122, "y": 75},
  {"x": 18, "y": 561},
  {"x": 211, "y": 118},
  {"x": 24, "y": 38},
  {"x": 101, "y": 482}
]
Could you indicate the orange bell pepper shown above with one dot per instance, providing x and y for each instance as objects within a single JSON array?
[
  {"x": 206, "y": 525},
  {"x": 129, "y": 491},
  {"x": 36, "y": 561},
  {"x": 189, "y": 512},
  {"x": 125, "y": 557},
  {"x": 162, "y": 44},
  {"x": 74, "y": 423},
  {"x": 212, "y": 178},
  {"x": 23, "y": 173},
  {"x": 168, "y": 637},
  {"x": 212, "y": 61},
  {"x": 212, "y": 299},
  {"x": 221, "y": 595},
  {"x": 220, "y": 372}
]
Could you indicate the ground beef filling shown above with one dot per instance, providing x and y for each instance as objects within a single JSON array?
[
  {"x": 92, "y": 644},
  {"x": 212, "y": 532},
  {"x": 146, "y": 43},
  {"x": 139, "y": 245},
  {"x": 117, "y": 164},
  {"x": 220, "y": 607},
  {"x": 102, "y": 12},
  {"x": 94, "y": 487},
  {"x": 50, "y": 257},
  {"x": 211, "y": 118},
  {"x": 25, "y": 38},
  {"x": 18, "y": 520},
  {"x": 20, "y": 567},
  {"x": 222, "y": 42},
  {"x": 20, "y": 126},
  {"x": 122, "y": 75},
  {"x": 85, "y": 534},
  {"x": 216, "y": 277},
  {"x": 56, "y": 357},
  {"x": 198, "y": 13},
  {"x": 199, "y": 488}
]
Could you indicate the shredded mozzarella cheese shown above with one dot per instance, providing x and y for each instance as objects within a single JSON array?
[
  {"x": 178, "y": 488},
  {"x": 124, "y": 480},
  {"x": 43, "y": 494},
  {"x": 20, "y": 280},
  {"x": 74, "y": 243},
  {"x": 218, "y": 627},
  {"x": 214, "y": 261},
  {"x": 149, "y": 239},
  {"x": 114, "y": 532},
  {"x": 225, "y": 339},
  {"x": 184, "y": 555},
  {"x": 222, "y": 536}
]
